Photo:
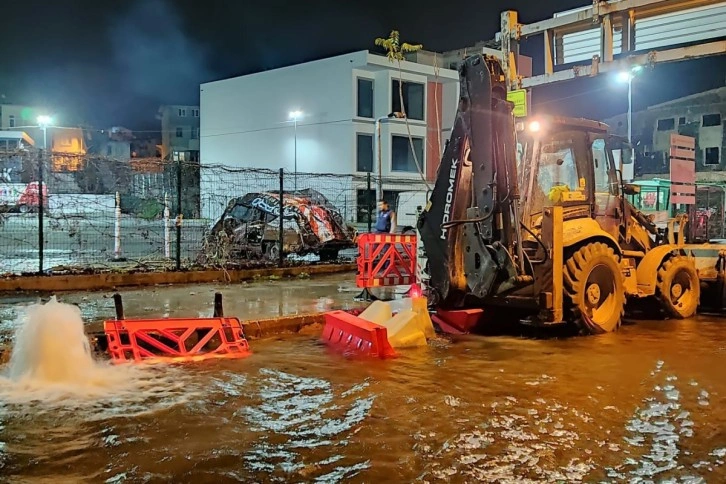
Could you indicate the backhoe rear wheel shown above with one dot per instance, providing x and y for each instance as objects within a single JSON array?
[
  {"x": 678, "y": 288},
  {"x": 594, "y": 285}
]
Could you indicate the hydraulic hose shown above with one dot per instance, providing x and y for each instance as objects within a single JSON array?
[{"x": 539, "y": 241}]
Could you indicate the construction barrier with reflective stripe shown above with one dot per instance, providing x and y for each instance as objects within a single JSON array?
[
  {"x": 176, "y": 339},
  {"x": 386, "y": 260}
]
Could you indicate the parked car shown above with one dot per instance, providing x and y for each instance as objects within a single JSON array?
[
  {"x": 311, "y": 224},
  {"x": 18, "y": 197}
]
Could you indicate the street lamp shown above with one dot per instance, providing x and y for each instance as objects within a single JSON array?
[
  {"x": 628, "y": 76},
  {"x": 43, "y": 122},
  {"x": 295, "y": 115},
  {"x": 377, "y": 150}
]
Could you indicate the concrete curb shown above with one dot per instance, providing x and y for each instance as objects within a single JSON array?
[
  {"x": 265, "y": 328},
  {"x": 106, "y": 281}
]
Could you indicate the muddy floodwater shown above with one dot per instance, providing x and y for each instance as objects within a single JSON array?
[{"x": 645, "y": 404}]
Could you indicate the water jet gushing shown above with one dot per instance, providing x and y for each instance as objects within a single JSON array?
[
  {"x": 51, "y": 346},
  {"x": 52, "y": 367}
]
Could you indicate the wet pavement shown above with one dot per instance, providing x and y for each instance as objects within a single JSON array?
[{"x": 645, "y": 404}]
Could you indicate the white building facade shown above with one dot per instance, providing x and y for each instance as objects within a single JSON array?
[{"x": 245, "y": 123}]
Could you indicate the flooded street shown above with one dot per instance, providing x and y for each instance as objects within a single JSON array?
[
  {"x": 645, "y": 404},
  {"x": 254, "y": 300}
]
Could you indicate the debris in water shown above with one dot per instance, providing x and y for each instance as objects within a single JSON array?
[
  {"x": 452, "y": 401},
  {"x": 703, "y": 398}
]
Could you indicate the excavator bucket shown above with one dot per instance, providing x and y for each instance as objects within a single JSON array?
[{"x": 459, "y": 321}]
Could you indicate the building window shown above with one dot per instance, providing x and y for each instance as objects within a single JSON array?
[
  {"x": 365, "y": 98},
  {"x": 666, "y": 124},
  {"x": 711, "y": 156},
  {"x": 182, "y": 112},
  {"x": 681, "y": 121},
  {"x": 711, "y": 120},
  {"x": 195, "y": 113},
  {"x": 364, "y": 196},
  {"x": 179, "y": 156},
  {"x": 179, "y": 132},
  {"x": 195, "y": 133},
  {"x": 11, "y": 121},
  {"x": 413, "y": 99},
  {"x": 364, "y": 153},
  {"x": 402, "y": 156}
]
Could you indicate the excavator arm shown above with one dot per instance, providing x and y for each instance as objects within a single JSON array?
[{"x": 470, "y": 227}]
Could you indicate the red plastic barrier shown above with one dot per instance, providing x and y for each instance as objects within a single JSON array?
[
  {"x": 386, "y": 260},
  {"x": 349, "y": 333},
  {"x": 177, "y": 339},
  {"x": 459, "y": 321}
]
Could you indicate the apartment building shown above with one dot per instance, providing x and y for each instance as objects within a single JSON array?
[
  {"x": 701, "y": 115},
  {"x": 246, "y": 122},
  {"x": 179, "y": 132}
]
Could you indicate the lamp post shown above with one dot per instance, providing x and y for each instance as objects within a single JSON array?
[
  {"x": 295, "y": 115},
  {"x": 377, "y": 150},
  {"x": 628, "y": 76},
  {"x": 43, "y": 122}
]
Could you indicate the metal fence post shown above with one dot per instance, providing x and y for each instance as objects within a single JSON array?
[
  {"x": 41, "y": 202},
  {"x": 370, "y": 202},
  {"x": 179, "y": 213},
  {"x": 282, "y": 211}
]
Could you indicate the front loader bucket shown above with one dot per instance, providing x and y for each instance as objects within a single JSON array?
[
  {"x": 351, "y": 334},
  {"x": 458, "y": 321}
]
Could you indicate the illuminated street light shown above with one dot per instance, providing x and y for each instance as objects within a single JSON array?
[
  {"x": 295, "y": 115},
  {"x": 534, "y": 126},
  {"x": 627, "y": 76},
  {"x": 44, "y": 120}
]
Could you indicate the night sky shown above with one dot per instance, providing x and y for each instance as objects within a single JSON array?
[{"x": 113, "y": 63}]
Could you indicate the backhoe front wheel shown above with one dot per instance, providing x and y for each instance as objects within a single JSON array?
[
  {"x": 678, "y": 288},
  {"x": 594, "y": 286}
]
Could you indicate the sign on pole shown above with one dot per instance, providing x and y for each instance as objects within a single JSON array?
[
  {"x": 519, "y": 98},
  {"x": 683, "y": 169}
]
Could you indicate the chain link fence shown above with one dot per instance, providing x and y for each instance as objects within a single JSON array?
[{"x": 63, "y": 213}]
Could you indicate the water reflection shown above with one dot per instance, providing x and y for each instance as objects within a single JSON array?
[{"x": 302, "y": 422}]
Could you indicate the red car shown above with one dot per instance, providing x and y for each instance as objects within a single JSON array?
[{"x": 29, "y": 200}]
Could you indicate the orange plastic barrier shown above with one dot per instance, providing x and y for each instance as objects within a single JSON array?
[
  {"x": 349, "y": 333},
  {"x": 177, "y": 339},
  {"x": 458, "y": 321},
  {"x": 386, "y": 260}
]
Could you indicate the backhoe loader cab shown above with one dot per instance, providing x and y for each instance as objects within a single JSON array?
[{"x": 573, "y": 216}]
